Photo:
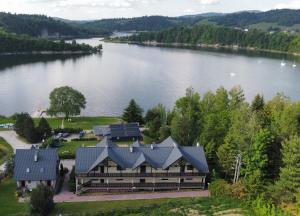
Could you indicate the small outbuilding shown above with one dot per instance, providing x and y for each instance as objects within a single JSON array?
[
  {"x": 36, "y": 166},
  {"x": 119, "y": 132}
]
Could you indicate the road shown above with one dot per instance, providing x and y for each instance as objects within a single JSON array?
[{"x": 12, "y": 139}]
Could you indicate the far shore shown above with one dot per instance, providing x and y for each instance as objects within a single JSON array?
[
  {"x": 189, "y": 46},
  {"x": 48, "y": 52}
]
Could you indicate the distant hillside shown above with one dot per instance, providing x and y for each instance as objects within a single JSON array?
[
  {"x": 218, "y": 36},
  {"x": 13, "y": 43},
  {"x": 284, "y": 19},
  {"x": 43, "y": 26},
  {"x": 146, "y": 23}
]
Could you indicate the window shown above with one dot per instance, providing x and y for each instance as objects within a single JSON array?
[
  {"x": 189, "y": 179},
  {"x": 101, "y": 169},
  {"x": 164, "y": 179},
  {"x": 102, "y": 181},
  {"x": 49, "y": 183},
  {"x": 119, "y": 168},
  {"x": 189, "y": 167},
  {"x": 142, "y": 180},
  {"x": 167, "y": 169},
  {"x": 29, "y": 182},
  {"x": 119, "y": 179}
]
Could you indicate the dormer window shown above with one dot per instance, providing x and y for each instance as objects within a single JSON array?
[{"x": 28, "y": 170}]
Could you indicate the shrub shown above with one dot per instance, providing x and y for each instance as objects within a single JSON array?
[
  {"x": 261, "y": 207},
  {"x": 66, "y": 155},
  {"x": 67, "y": 130},
  {"x": 72, "y": 181},
  {"x": 84, "y": 139},
  {"x": 220, "y": 188}
]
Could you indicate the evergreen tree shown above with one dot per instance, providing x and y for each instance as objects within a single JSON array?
[
  {"x": 20, "y": 121},
  {"x": 133, "y": 113},
  {"x": 258, "y": 103},
  {"x": 30, "y": 133},
  {"x": 44, "y": 129},
  {"x": 41, "y": 200},
  {"x": 289, "y": 181}
]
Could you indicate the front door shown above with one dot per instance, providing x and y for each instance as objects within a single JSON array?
[{"x": 22, "y": 183}]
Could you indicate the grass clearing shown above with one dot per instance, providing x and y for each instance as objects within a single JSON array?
[
  {"x": 69, "y": 148},
  {"x": 179, "y": 206},
  {"x": 85, "y": 123},
  {"x": 9, "y": 204},
  {"x": 5, "y": 151}
]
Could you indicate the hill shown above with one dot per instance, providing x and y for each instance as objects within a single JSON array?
[
  {"x": 211, "y": 35},
  {"x": 285, "y": 19},
  {"x": 43, "y": 26},
  {"x": 146, "y": 23},
  {"x": 13, "y": 43}
]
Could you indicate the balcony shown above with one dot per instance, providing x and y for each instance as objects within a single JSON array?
[
  {"x": 151, "y": 186},
  {"x": 139, "y": 175}
]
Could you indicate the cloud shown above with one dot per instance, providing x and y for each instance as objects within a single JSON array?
[
  {"x": 291, "y": 5},
  {"x": 208, "y": 2}
]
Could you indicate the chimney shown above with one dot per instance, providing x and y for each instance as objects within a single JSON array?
[
  {"x": 152, "y": 146},
  {"x": 131, "y": 149},
  {"x": 36, "y": 156},
  {"x": 198, "y": 145}
]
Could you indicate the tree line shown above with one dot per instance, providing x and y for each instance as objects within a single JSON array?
[
  {"x": 13, "y": 43},
  {"x": 266, "y": 134},
  {"x": 217, "y": 35},
  {"x": 40, "y": 25}
]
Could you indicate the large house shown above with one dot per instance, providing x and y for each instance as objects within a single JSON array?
[
  {"x": 36, "y": 166},
  {"x": 119, "y": 132},
  {"x": 108, "y": 167}
]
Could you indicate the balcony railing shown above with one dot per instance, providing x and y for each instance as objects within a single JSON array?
[
  {"x": 140, "y": 175},
  {"x": 142, "y": 185}
]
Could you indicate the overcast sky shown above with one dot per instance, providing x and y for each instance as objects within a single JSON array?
[{"x": 96, "y": 9}]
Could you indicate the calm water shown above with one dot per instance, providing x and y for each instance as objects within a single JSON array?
[{"x": 148, "y": 74}]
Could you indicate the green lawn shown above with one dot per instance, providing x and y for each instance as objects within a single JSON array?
[
  {"x": 8, "y": 201},
  {"x": 5, "y": 151},
  {"x": 86, "y": 123},
  {"x": 69, "y": 148},
  {"x": 180, "y": 206}
]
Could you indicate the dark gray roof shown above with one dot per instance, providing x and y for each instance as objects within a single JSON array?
[
  {"x": 27, "y": 169},
  {"x": 101, "y": 130},
  {"x": 157, "y": 156},
  {"x": 125, "y": 130}
]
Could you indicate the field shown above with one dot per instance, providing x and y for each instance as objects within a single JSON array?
[
  {"x": 5, "y": 151},
  {"x": 85, "y": 123},
  {"x": 68, "y": 149}
]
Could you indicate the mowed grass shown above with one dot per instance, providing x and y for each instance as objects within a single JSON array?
[
  {"x": 5, "y": 151},
  {"x": 85, "y": 123},
  {"x": 69, "y": 148},
  {"x": 179, "y": 206},
  {"x": 8, "y": 201}
]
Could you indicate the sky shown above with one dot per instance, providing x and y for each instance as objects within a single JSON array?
[{"x": 98, "y": 9}]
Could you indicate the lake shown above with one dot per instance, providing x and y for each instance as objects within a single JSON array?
[{"x": 150, "y": 75}]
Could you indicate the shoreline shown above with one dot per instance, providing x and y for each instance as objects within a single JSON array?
[
  {"x": 211, "y": 46},
  {"x": 49, "y": 53}
]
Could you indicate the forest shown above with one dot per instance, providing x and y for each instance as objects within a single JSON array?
[
  {"x": 40, "y": 25},
  {"x": 13, "y": 43},
  {"x": 264, "y": 134},
  {"x": 284, "y": 17},
  {"x": 224, "y": 36}
]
